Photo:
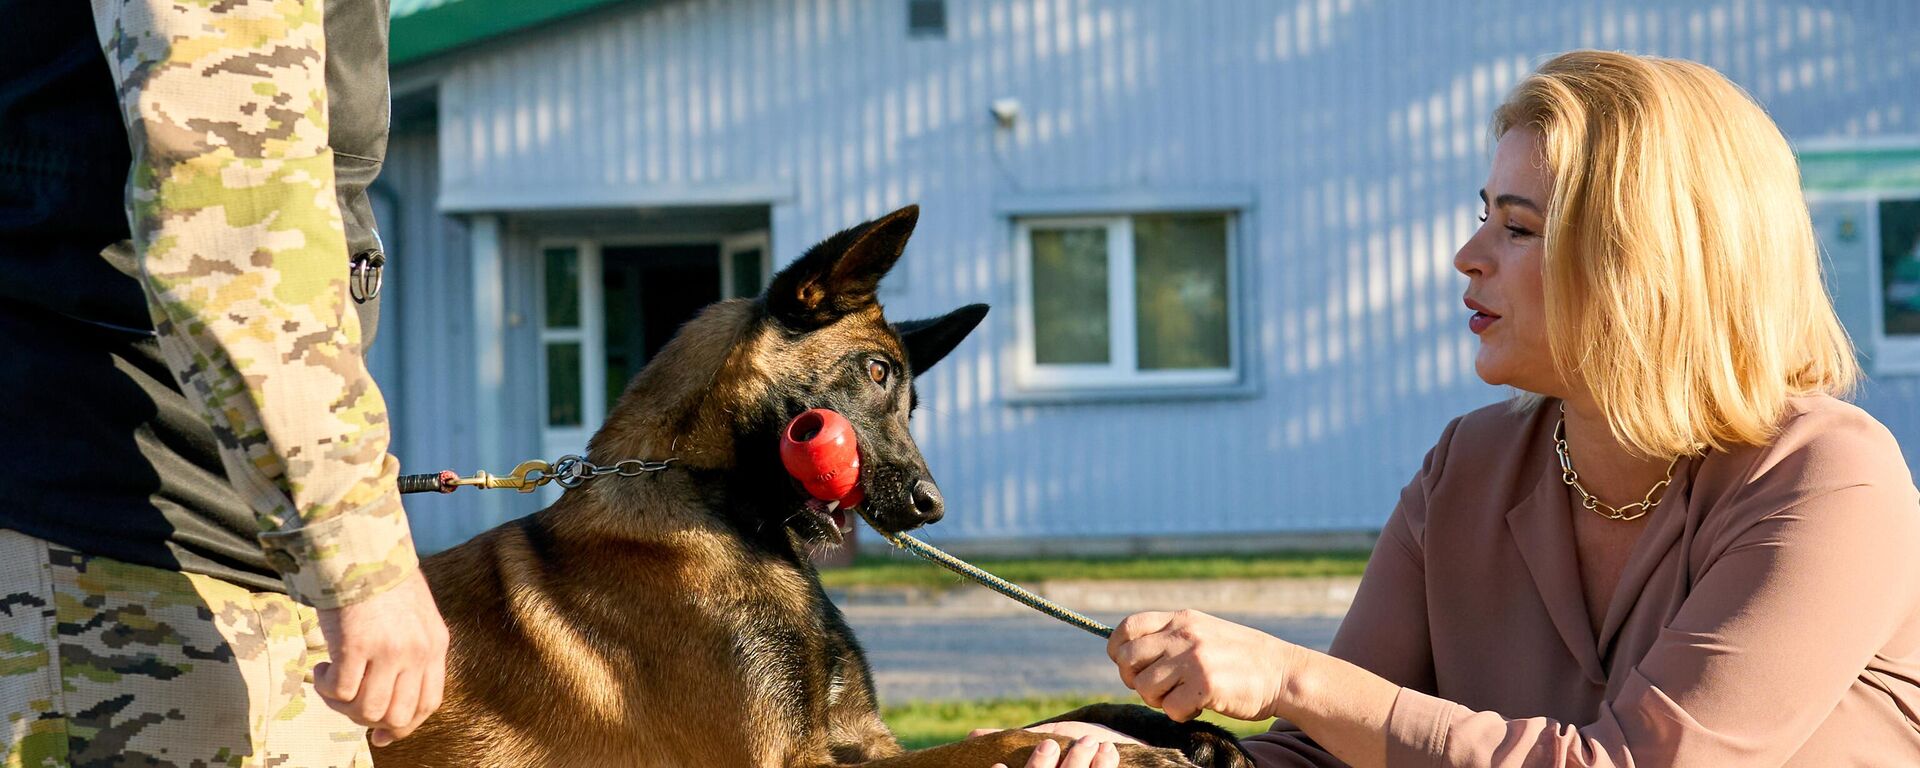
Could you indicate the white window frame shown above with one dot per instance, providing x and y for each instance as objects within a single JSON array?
[
  {"x": 589, "y": 334},
  {"x": 761, "y": 239},
  {"x": 1885, "y": 355},
  {"x": 1890, "y": 355},
  {"x": 1121, "y": 371}
]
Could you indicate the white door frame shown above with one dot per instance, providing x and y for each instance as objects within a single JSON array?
[
  {"x": 729, "y": 246},
  {"x": 591, "y": 333}
]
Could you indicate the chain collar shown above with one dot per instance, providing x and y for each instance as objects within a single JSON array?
[
  {"x": 570, "y": 471},
  {"x": 1629, "y": 512}
]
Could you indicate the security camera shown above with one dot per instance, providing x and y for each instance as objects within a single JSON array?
[{"x": 1005, "y": 111}]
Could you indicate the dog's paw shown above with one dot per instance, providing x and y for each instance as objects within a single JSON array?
[{"x": 1202, "y": 743}]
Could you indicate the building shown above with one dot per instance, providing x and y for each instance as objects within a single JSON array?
[{"x": 568, "y": 180}]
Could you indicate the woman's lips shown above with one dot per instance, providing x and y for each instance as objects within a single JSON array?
[{"x": 1482, "y": 319}]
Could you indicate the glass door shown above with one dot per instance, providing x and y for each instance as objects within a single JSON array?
[
  {"x": 607, "y": 307},
  {"x": 572, "y": 326},
  {"x": 745, "y": 264}
]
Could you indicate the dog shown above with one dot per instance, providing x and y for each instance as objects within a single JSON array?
[{"x": 673, "y": 618}]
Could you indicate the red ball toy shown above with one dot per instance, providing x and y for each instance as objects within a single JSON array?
[{"x": 819, "y": 449}]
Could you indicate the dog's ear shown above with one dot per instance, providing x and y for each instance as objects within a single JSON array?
[
  {"x": 928, "y": 341},
  {"x": 841, "y": 274}
]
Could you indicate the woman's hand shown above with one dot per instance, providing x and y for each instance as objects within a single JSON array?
[
  {"x": 1085, "y": 753},
  {"x": 1094, "y": 746},
  {"x": 1186, "y": 662},
  {"x": 1070, "y": 729}
]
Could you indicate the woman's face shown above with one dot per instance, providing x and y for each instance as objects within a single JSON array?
[{"x": 1502, "y": 263}]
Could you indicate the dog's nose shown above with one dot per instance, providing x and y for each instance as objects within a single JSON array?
[{"x": 926, "y": 502}]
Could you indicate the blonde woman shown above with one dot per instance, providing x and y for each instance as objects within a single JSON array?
[{"x": 1679, "y": 548}]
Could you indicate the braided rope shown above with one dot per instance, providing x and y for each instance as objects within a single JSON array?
[
  {"x": 997, "y": 584},
  {"x": 444, "y": 482}
]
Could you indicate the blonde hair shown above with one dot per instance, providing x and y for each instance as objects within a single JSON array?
[{"x": 1682, "y": 278}]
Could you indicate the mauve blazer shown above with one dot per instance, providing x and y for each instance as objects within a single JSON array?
[{"x": 1769, "y": 614}]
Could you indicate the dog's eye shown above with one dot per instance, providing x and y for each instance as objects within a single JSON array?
[{"x": 878, "y": 370}]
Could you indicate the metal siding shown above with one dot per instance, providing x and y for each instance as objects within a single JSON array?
[
  {"x": 1359, "y": 126},
  {"x": 423, "y": 312}
]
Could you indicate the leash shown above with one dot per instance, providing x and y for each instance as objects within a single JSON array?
[
  {"x": 819, "y": 449},
  {"x": 983, "y": 578},
  {"x": 570, "y": 471}
]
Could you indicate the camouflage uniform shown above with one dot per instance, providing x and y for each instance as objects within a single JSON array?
[
  {"x": 243, "y": 261},
  {"x": 106, "y": 663}
]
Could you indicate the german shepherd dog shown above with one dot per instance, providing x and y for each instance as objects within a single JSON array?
[{"x": 674, "y": 619}]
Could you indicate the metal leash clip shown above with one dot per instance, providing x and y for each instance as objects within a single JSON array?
[
  {"x": 569, "y": 471},
  {"x": 524, "y": 478}
]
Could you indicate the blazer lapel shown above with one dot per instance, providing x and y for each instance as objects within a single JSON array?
[
  {"x": 1541, "y": 529},
  {"x": 1668, "y": 519}
]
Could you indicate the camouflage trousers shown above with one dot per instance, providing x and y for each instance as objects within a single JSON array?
[{"x": 103, "y": 663}]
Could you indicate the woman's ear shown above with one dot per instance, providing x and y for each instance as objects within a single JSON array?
[{"x": 842, "y": 274}]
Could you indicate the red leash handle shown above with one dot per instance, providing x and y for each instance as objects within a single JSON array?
[{"x": 819, "y": 449}]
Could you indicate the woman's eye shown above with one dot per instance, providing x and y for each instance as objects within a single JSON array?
[
  {"x": 1482, "y": 217},
  {"x": 878, "y": 370},
  {"x": 1519, "y": 231}
]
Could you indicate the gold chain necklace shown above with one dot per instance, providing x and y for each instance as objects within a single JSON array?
[{"x": 1592, "y": 502}]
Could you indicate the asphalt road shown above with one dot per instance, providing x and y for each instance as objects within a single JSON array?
[{"x": 926, "y": 652}]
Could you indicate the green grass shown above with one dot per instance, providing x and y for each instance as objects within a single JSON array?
[
  {"x": 902, "y": 569},
  {"x": 920, "y": 724}
]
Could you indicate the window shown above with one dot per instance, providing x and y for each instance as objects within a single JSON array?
[
  {"x": 1880, "y": 233},
  {"x": 607, "y": 306},
  {"x": 1900, "y": 266},
  {"x": 1126, "y": 302},
  {"x": 1864, "y": 198},
  {"x": 1870, "y": 251},
  {"x": 927, "y": 18},
  {"x": 745, "y": 265},
  {"x": 562, "y": 333}
]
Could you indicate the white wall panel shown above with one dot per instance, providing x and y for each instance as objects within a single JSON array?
[{"x": 1359, "y": 127}]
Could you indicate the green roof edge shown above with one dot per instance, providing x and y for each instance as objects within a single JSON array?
[
  {"x": 1859, "y": 169},
  {"x": 432, "y": 31}
]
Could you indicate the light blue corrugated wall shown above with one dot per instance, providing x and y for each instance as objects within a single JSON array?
[
  {"x": 1358, "y": 128},
  {"x": 425, "y": 329}
]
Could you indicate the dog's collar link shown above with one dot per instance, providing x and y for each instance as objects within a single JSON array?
[{"x": 569, "y": 471}]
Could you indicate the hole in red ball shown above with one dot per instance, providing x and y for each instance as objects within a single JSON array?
[{"x": 805, "y": 427}]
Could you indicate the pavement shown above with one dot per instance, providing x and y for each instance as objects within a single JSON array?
[{"x": 968, "y": 642}]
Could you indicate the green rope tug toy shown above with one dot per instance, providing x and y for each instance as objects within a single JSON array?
[{"x": 995, "y": 583}]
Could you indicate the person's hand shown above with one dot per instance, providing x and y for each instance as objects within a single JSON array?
[
  {"x": 1186, "y": 662},
  {"x": 389, "y": 660},
  {"x": 1085, "y": 753},
  {"x": 1094, "y": 743},
  {"x": 1070, "y": 729}
]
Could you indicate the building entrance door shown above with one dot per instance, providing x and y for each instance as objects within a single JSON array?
[{"x": 609, "y": 306}]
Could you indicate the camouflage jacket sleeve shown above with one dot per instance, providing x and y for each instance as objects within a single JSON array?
[{"x": 243, "y": 259}]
